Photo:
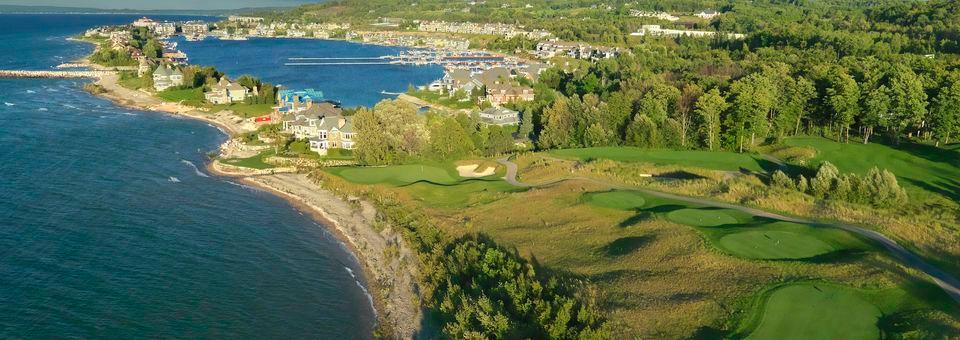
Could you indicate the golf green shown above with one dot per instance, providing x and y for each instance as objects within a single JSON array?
[
  {"x": 817, "y": 311},
  {"x": 620, "y": 200},
  {"x": 701, "y": 217},
  {"x": 397, "y": 175},
  {"x": 773, "y": 245}
]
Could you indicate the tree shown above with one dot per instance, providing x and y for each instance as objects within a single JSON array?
[
  {"x": 387, "y": 134},
  {"x": 843, "y": 100},
  {"x": 448, "y": 140},
  {"x": 557, "y": 126},
  {"x": 750, "y": 102},
  {"x": 946, "y": 114},
  {"x": 643, "y": 132},
  {"x": 824, "y": 181},
  {"x": 876, "y": 111},
  {"x": 706, "y": 117},
  {"x": 908, "y": 100},
  {"x": 685, "y": 107}
]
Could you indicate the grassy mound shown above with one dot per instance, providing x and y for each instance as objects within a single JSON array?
[
  {"x": 620, "y": 200},
  {"x": 701, "y": 217},
  {"x": 817, "y": 311},
  {"x": 725, "y": 161},
  {"x": 465, "y": 194},
  {"x": 773, "y": 245},
  {"x": 397, "y": 175}
]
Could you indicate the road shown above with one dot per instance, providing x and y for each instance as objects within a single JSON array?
[{"x": 944, "y": 280}]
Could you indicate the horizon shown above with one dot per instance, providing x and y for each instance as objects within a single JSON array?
[{"x": 153, "y": 5}]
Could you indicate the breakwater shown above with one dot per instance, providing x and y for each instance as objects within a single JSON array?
[{"x": 52, "y": 74}]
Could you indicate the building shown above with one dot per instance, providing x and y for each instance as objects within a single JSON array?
[
  {"x": 499, "y": 94},
  {"x": 226, "y": 92},
  {"x": 245, "y": 20},
  {"x": 306, "y": 124},
  {"x": 195, "y": 28},
  {"x": 144, "y": 22},
  {"x": 459, "y": 80},
  {"x": 297, "y": 101},
  {"x": 657, "y": 15},
  {"x": 499, "y": 116},
  {"x": 335, "y": 132},
  {"x": 174, "y": 56},
  {"x": 656, "y": 30},
  {"x": 707, "y": 14},
  {"x": 577, "y": 50},
  {"x": 164, "y": 29},
  {"x": 144, "y": 67},
  {"x": 166, "y": 77}
]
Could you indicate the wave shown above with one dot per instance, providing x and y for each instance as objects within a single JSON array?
[
  {"x": 128, "y": 113},
  {"x": 31, "y": 91},
  {"x": 42, "y": 109},
  {"x": 364, "y": 289},
  {"x": 70, "y": 106},
  {"x": 9, "y": 104},
  {"x": 195, "y": 169},
  {"x": 244, "y": 186},
  {"x": 174, "y": 180}
]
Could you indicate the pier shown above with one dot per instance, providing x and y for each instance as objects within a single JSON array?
[{"x": 52, "y": 74}]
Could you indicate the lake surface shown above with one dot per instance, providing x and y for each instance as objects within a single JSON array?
[
  {"x": 110, "y": 227},
  {"x": 352, "y": 85}
]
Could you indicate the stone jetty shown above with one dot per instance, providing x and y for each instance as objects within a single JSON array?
[{"x": 52, "y": 74}]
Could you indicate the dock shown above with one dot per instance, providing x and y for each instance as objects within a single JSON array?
[{"x": 52, "y": 74}]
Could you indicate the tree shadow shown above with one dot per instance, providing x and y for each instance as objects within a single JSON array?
[
  {"x": 639, "y": 217},
  {"x": 626, "y": 245},
  {"x": 678, "y": 175},
  {"x": 948, "y": 188}
]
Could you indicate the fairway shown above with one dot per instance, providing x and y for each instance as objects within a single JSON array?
[
  {"x": 396, "y": 175},
  {"x": 462, "y": 195},
  {"x": 773, "y": 245},
  {"x": 920, "y": 167},
  {"x": 724, "y": 161},
  {"x": 817, "y": 311},
  {"x": 620, "y": 200},
  {"x": 701, "y": 217}
]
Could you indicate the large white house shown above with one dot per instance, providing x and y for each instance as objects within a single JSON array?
[{"x": 165, "y": 77}]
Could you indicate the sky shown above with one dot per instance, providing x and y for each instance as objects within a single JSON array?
[{"x": 158, "y": 4}]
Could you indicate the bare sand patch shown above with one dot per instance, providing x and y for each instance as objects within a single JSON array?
[{"x": 470, "y": 171}]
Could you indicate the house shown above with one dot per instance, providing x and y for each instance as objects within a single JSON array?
[
  {"x": 499, "y": 116},
  {"x": 656, "y": 30},
  {"x": 144, "y": 67},
  {"x": 144, "y": 22},
  {"x": 494, "y": 76},
  {"x": 499, "y": 94},
  {"x": 707, "y": 14},
  {"x": 164, "y": 29},
  {"x": 175, "y": 56},
  {"x": 335, "y": 132},
  {"x": 550, "y": 49},
  {"x": 297, "y": 101},
  {"x": 195, "y": 28},
  {"x": 306, "y": 124},
  {"x": 226, "y": 92},
  {"x": 165, "y": 77},
  {"x": 459, "y": 80}
]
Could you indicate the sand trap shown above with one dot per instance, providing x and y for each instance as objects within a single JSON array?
[{"x": 471, "y": 171}]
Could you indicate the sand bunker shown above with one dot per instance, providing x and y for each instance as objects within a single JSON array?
[{"x": 471, "y": 171}]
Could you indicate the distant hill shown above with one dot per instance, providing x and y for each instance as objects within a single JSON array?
[{"x": 9, "y": 9}]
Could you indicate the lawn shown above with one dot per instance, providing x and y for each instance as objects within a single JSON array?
[
  {"x": 437, "y": 98},
  {"x": 918, "y": 166},
  {"x": 192, "y": 97},
  {"x": 245, "y": 110},
  {"x": 131, "y": 81},
  {"x": 254, "y": 162},
  {"x": 724, "y": 161},
  {"x": 817, "y": 311},
  {"x": 398, "y": 175}
]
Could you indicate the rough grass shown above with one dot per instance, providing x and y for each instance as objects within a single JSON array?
[
  {"x": 245, "y": 110},
  {"x": 192, "y": 97},
  {"x": 919, "y": 167},
  {"x": 726, "y": 161}
]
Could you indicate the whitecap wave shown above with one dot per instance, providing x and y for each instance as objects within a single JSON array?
[
  {"x": 195, "y": 169},
  {"x": 42, "y": 109},
  {"x": 128, "y": 113},
  {"x": 31, "y": 91},
  {"x": 364, "y": 289},
  {"x": 174, "y": 180},
  {"x": 244, "y": 186},
  {"x": 9, "y": 104}
]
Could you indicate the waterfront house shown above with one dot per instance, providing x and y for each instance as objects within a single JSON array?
[
  {"x": 144, "y": 22},
  {"x": 166, "y": 77},
  {"x": 335, "y": 132},
  {"x": 226, "y": 92},
  {"x": 164, "y": 29},
  {"x": 174, "y": 56},
  {"x": 145, "y": 66},
  {"x": 459, "y": 80},
  {"x": 499, "y": 116},
  {"x": 499, "y": 94},
  {"x": 195, "y": 28},
  {"x": 291, "y": 101}
]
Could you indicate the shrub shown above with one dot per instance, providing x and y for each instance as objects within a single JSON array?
[{"x": 781, "y": 180}]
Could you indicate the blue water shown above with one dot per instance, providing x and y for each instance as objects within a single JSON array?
[
  {"x": 352, "y": 85},
  {"x": 110, "y": 228}
]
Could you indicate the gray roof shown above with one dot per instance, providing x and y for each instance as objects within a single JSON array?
[
  {"x": 162, "y": 71},
  {"x": 488, "y": 116},
  {"x": 494, "y": 75}
]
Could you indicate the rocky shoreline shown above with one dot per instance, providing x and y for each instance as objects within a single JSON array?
[{"x": 389, "y": 265}]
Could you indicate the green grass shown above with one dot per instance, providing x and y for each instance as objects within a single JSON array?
[
  {"x": 465, "y": 194},
  {"x": 919, "y": 167},
  {"x": 772, "y": 244},
  {"x": 131, "y": 81},
  {"x": 254, "y": 162},
  {"x": 437, "y": 98},
  {"x": 192, "y": 97},
  {"x": 817, "y": 311},
  {"x": 724, "y": 161},
  {"x": 619, "y": 200},
  {"x": 398, "y": 175},
  {"x": 245, "y": 110},
  {"x": 701, "y": 217}
]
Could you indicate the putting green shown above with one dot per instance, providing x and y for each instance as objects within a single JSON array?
[
  {"x": 397, "y": 175},
  {"x": 773, "y": 245},
  {"x": 701, "y": 217},
  {"x": 817, "y": 311},
  {"x": 620, "y": 200}
]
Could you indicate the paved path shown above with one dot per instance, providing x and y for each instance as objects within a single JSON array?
[{"x": 947, "y": 282}]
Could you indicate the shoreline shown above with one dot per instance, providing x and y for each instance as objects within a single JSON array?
[{"x": 390, "y": 282}]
